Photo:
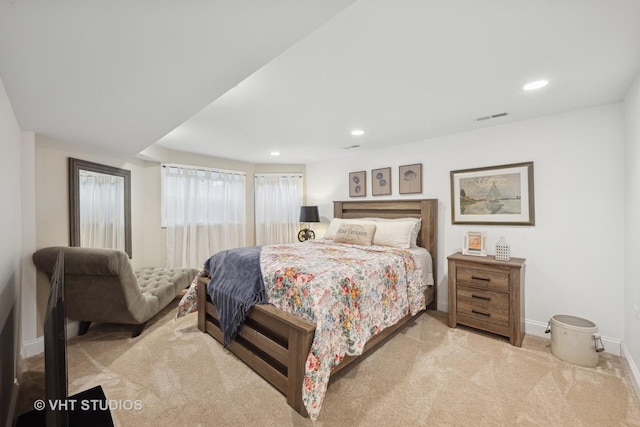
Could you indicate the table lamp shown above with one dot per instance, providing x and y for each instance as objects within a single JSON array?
[{"x": 308, "y": 214}]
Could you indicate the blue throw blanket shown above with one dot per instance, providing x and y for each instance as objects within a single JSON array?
[{"x": 235, "y": 286}]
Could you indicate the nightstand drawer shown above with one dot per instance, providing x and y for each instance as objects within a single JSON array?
[
  {"x": 486, "y": 279},
  {"x": 484, "y": 306}
]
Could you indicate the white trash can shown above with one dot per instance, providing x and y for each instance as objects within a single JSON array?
[{"x": 575, "y": 340}]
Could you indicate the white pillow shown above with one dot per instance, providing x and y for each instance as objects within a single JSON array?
[
  {"x": 417, "y": 222},
  {"x": 397, "y": 234},
  {"x": 335, "y": 224},
  {"x": 333, "y": 228},
  {"x": 356, "y": 234}
]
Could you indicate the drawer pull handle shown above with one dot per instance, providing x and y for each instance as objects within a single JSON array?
[
  {"x": 481, "y": 297},
  {"x": 485, "y": 279},
  {"x": 480, "y": 312}
]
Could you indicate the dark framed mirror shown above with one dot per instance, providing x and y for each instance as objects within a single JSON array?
[{"x": 99, "y": 206}]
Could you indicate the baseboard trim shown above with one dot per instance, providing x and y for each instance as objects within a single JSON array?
[
  {"x": 632, "y": 369},
  {"x": 36, "y": 346},
  {"x": 32, "y": 347}
]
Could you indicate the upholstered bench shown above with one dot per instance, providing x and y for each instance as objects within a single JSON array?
[
  {"x": 100, "y": 286},
  {"x": 153, "y": 280}
]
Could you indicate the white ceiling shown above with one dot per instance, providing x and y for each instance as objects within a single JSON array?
[
  {"x": 238, "y": 79},
  {"x": 121, "y": 74}
]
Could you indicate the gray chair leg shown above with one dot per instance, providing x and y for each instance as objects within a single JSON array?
[
  {"x": 83, "y": 328},
  {"x": 138, "y": 329}
]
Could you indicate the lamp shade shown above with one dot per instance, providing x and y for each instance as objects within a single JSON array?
[{"x": 309, "y": 214}]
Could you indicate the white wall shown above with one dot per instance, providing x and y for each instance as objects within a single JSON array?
[
  {"x": 574, "y": 252},
  {"x": 631, "y": 347},
  {"x": 29, "y": 312},
  {"x": 10, "y": 256}
]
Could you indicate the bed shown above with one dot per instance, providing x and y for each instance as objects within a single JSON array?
[{"x": 276, "y": 344}]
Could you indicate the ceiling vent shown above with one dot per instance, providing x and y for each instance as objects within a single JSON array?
[
  {"x": 350, "y": 147},
  {"x": 493, "y": 116}
]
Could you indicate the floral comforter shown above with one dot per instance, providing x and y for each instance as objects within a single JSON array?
[{"x": 349, "y": 292}]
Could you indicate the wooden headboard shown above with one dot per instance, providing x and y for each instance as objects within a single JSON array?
[{"x": 426, "y": 209}]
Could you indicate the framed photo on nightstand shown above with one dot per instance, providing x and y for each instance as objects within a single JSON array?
[{"x": 474, "y": 243}]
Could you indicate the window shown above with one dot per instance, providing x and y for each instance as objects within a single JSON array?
[
  {"x": 204, "y": 211},
  {"x": 278, "y": 199}
]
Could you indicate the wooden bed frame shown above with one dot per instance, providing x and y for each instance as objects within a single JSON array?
[{"x": 276, "y": 344}]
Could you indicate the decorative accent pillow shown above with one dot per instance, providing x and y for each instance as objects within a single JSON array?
[
  {"x": 189, "y": 302},
  {"x": 356, "y": 234},
  {"x": 335, "y": 224}
]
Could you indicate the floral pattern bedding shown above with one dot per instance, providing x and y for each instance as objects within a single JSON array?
[{"x": 349, "y": 292}]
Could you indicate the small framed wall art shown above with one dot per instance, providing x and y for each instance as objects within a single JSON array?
[
  {"x": 474, "y": 243},
  {"x": 410, "y": 178},
  {"x": 381, "y": 182},
  {"x": 358, "y": 184}
]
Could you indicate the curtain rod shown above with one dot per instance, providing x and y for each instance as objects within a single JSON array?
[
  {"x": 201, "y": 168},
  {"x": 282, "y": 174}
]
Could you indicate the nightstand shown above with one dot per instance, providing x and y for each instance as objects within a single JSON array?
[{"x": 487, "y": 294}]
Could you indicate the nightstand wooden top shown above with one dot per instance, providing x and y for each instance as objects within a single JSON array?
[{"x": 489, "y": 260}]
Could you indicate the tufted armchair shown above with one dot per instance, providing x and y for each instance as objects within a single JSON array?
[{"x": 102, "y": 287}]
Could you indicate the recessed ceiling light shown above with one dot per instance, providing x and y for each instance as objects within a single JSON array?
[
  {"x": 538, "y": 84},
  {"x": 357, "y": 132},
  {"x": 275, "y": 153}
]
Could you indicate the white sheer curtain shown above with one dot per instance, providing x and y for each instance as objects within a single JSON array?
[
  {"x": 205, "y": 213},
  {"x": 278, "y": 200},
  {"x": 101, "y": 211}
]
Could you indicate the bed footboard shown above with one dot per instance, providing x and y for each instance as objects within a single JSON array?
[
  {"x": 272, "y": 342},
  {"x": 276, "y": 344}
]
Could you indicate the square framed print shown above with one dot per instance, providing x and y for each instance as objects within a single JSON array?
[
  {"x": 474, "y": 243},
  {"x": 410, "y": 179},
  {"x": 358, "y": 184},
  {"x": 495, "y": 195},
  {"x": 381, "y": 182}
]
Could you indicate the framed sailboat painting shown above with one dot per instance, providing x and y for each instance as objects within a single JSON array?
[{"x": 494, "y": 195}]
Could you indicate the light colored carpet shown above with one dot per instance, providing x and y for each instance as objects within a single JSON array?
[{"x": 428, "y": 374}]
